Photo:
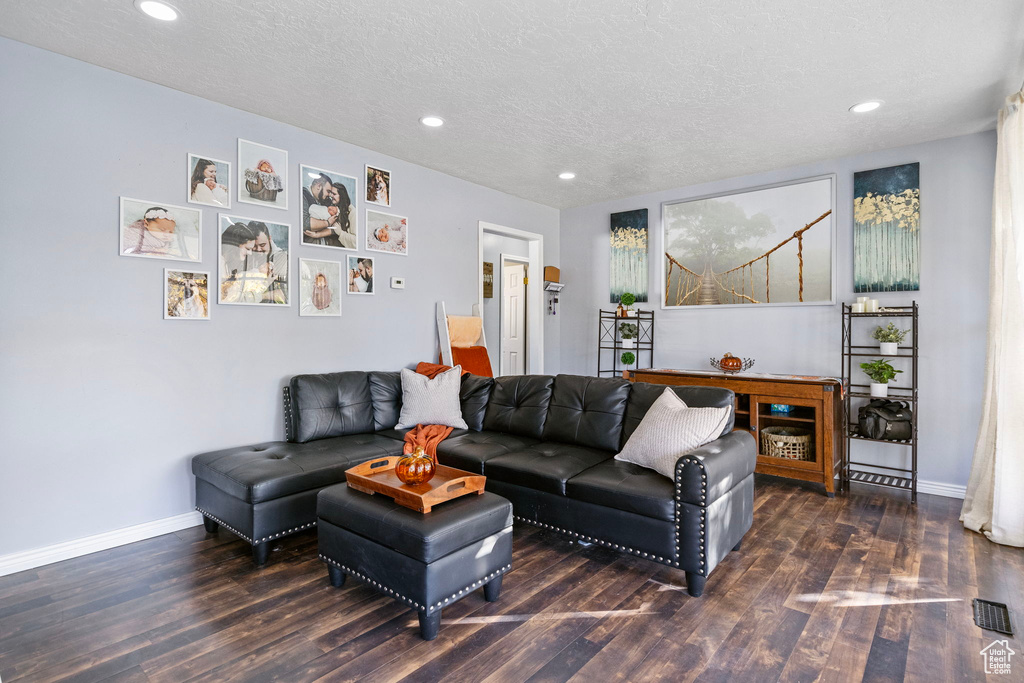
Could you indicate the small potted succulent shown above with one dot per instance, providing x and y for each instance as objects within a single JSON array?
[
  {"x": 881, "y": 373},
  {"x": 889, "y": 339},
  {"x": 628, "y": 332},
  {"x": 627, "y": 300}
]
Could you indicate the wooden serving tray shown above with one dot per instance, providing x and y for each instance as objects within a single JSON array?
[{"x": 378, "y": 476}]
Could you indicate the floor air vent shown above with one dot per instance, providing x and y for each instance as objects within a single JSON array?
[{"x": 993, "y": 616}]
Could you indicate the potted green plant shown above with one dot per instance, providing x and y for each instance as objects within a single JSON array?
[
  {"x": 628, "y": 332},
  {"x": 889, "y": 339},
  {"x": 627, "y": 300},
  {"x": 628, "y": 358},
  {"x": 880, "y": 372}
]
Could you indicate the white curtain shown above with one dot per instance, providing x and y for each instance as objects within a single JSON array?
[{"x": 995, "y": 493}]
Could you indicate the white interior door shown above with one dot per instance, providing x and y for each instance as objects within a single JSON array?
[{"x": 513, "y": 318}]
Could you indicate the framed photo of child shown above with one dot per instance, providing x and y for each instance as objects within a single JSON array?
[
  {"x": 208, "y": 181},
  {"x": 328, "y": 209},
  {"x": 186, "y": 295},
  {"x": 360, "y": 275},
  {"x": 319, "y": 288},
  {"x": 262, "y": 175},
  {"x": 159, "y": 230},
  {"x": 253, "y": 262},
  {"x": 378, "y": 186},
  {"x": 387, "y": 233}
]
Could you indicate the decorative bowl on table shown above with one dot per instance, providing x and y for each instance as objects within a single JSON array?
[{"x": 731, "y": 363}]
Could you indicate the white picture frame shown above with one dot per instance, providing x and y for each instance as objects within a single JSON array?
[
  {"x": 250, "y": 156},
  {"x": 134, "y": 239},
  {"x": 351, "y": 184},
  {"x": 227, "y": 178},
  {"x": 184, "y": 305},
  {"x": 311, "y": 302},
  {"x": 253, "y": 287},
  {"x": 370, "y": 172},
  {"x": 353, "y": 265},
  {"x": 395, "y": 245}
]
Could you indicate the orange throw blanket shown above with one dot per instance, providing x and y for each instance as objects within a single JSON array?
[
  {"x": 428, "y": 436},
  {"x": 473, "y": 360}
]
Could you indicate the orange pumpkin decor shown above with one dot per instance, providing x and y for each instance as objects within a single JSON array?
[
  {"x": 731, "y": 363},
  {"x": 415, "y": 468}
]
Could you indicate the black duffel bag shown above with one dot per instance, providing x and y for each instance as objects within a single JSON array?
[{"x": 889, "y": 420}]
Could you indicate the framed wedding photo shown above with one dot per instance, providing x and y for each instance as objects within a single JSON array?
[
  {"x": 262, "y": 175},
  {"x": 158, "y": 230},
  {"x": 328, "y": 208},
  {"x": 186, "y": 294},
  {"x": 208, "y": 181},
  {"x": 319, "y": 288},
  {"x": 360, "y": 275},
  {"x": 253, "y": 262},
  {"x": 378, "y": 186},
  {"x": 387, "y": 233}
]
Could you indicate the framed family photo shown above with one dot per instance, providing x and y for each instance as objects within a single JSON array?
[
  {"x": 360, "y": 275},
  {"x": 253, "y": 261},
  {"x": 319, "y": 288},
  {"x": 262, "y": 175},
  {"x": 378, "y": 186},
  {"x": 186, "y": 295},
  {"x": 328, "y": 209},
  {"x": 387, "y": 233},
  {"x": 157, "y": 230},
  {"x": 208, "y": 181}
]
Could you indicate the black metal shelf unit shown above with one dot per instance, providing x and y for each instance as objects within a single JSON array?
[
  {"x": 609, "y": 340},
  {"x": 867, "y": 473}
]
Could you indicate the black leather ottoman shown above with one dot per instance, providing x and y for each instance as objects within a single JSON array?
[{"x": 428, "y": 561}]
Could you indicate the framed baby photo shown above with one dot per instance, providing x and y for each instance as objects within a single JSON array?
[
  {"x": 186, "y": 294},
  {"x": 208, "y": 181},
  {"x": 159, "y": 230},
  {"x": 253, "y": 261},
  {"x": 387, "y": 233},
  {"x": 378, "y": 186},
  {"x": 360, "y": 275},
  {"x": 319, "y": 288},
  {"x": 262, "y": 175},
  {"x": 328, "y": 208}
]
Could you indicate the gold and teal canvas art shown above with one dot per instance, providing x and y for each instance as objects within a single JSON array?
[
  {"x": 887, "y": 229},
  {"x": 629, "y": 255}
]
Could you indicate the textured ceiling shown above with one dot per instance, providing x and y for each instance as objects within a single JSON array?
[{"x": 634, "y": 96}]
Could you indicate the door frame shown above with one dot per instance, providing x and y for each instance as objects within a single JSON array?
[
  {"x": 525, "y": 260},
  {"x": 534, "y": 290}
]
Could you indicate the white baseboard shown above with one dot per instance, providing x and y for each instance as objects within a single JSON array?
[
  {"x": 30, "y": 559},
  {"x": 938, "y": 488}
]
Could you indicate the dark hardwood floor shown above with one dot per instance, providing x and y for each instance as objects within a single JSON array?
[{"x": 860, "y": 587}]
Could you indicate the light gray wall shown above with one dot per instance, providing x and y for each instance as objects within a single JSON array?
[
  {"x": 104, "y": 402},
  {"x": 956, "y": 198},
  {"x": 494, "y": 247}
]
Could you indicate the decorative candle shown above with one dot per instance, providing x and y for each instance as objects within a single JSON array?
[
  {"x": 857, "y": 307},
  {"x": 872, "y": 306},
  {"x": 862, "y": 299}
]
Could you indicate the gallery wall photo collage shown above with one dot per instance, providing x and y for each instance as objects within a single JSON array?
[{"x": 254, "y": 245}]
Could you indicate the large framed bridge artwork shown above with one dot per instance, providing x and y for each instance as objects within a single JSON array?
[{"x": 772, "y": 245}]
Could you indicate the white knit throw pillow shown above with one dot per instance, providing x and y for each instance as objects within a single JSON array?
[
  {"x": 431, "y": 401},
  {"x": 669, "y": 429}
]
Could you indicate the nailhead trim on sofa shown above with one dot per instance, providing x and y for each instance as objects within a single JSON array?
[
  {"x": 242, "y": 536},
  {"x": 288, "y": 436},
  {"x": 685, "y": 460},
  {"x": 409, "y": 601}
]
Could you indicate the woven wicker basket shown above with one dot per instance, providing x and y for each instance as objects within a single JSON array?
[{"x": 787, "y": 442}]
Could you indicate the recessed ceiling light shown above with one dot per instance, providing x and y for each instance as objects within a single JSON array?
[
  {"x": 432, "y": 121},
  {"x": 866, "y": 106},
  {"x": 158, "y": 10},
  {"x": 568, "y": 175}
]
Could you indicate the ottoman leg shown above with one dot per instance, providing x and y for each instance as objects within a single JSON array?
[
  {"x": 211, "y": 526},
  {"x": 695, "y": 584},
  {"x": 739, "y": 544},
  {"x": 336, "y": 576},
  {"x": 492, "y": 589},
  {"x": 260, "y": 553},
  {"x": 430, "y": 624}
]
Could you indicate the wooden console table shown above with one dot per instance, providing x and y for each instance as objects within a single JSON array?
[{"x": 816, "y": 405}]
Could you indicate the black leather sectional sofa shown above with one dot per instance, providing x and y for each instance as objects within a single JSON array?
[{"x": 546, "y": 443}]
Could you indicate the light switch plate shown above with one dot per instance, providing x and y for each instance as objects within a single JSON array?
[{"x": 398, "y": 283}]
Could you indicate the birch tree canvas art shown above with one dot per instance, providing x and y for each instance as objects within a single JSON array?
[
  {"x": 887, "y": 229},
  {"x": 629, "y": 254}
]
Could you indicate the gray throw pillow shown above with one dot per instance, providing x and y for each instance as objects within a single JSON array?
[
  {"x": 431, "y": 401},
  {"x": 669, "y": 429}
]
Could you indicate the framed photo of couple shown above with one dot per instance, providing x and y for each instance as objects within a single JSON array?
[
  {"x": 360, "y": 275},
  {"x": 328, "y": 209},
  {"x": 253, "y": 262}
]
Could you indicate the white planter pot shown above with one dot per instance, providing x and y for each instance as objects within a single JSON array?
[
  {"x": 888, "y": 348},
  {"x": 630, "y": 313},
  {"x": 628, "y": 343},
  {"x": 879, "y": 390}
]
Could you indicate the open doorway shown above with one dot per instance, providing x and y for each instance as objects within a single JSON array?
[{"x": 512, "y": 315}]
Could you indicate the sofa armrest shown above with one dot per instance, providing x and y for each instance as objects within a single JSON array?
[{"x": 704, "y": 474}]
